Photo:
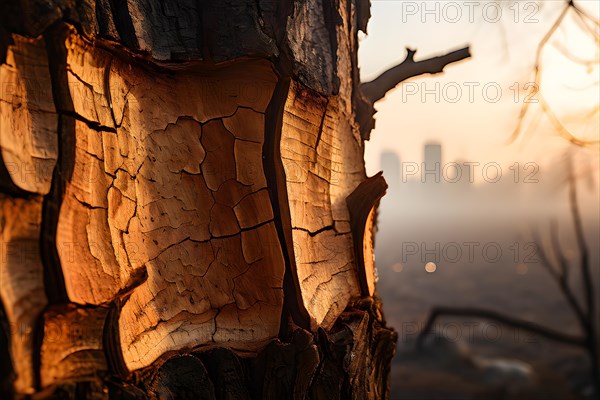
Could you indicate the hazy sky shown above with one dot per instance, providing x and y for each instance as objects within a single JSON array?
[{"x": 473, "y": 107}]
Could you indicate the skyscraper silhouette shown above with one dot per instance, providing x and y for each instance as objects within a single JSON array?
[{"x": 431, "y": 171}]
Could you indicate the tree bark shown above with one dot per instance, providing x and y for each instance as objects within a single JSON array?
[{"x": 184, "y": 208}]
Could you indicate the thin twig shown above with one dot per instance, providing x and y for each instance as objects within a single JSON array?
[
  {"x": 546, "y": 263},
  {"x": 584, "y": 19},
  {"x": 586, "y": 275},
  {"x": 562, "y": 260},
  {"x": 563, "y": 284}
]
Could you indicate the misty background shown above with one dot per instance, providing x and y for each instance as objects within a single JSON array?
[{"x": 456, "y": 226}]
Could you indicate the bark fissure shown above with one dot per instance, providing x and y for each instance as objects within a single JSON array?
[
  {"x": 275, "y": 175},
  {"x": 318, "y": 231},
  {"x": 54, "y": 280},
  {"x": 204, "y": 155}
]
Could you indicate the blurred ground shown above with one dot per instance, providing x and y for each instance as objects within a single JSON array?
[{"x": 478, "y": 359}]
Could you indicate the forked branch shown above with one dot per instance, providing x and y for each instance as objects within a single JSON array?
[
  {"x": 377, "y": 88},
  {"x": 590, "y": 26}
]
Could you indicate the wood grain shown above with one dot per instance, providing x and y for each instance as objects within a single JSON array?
[
  {"x": 181, "y": 174},
  {"x": 162, "y": 198},
  {"x": 21, "y": 282},
  {"x": 28, "y": 139}
]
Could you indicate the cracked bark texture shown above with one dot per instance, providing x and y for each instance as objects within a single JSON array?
[{"x": 184, "y": 208}]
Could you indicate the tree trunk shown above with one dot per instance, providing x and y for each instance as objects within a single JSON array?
[{"x": 184, "y": 208}]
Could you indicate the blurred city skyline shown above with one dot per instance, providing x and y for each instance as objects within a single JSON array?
[
  {"x": 467, "y": 210},
  {"x": 473, "y": 107},
  {"x": 432, "y": 189}
]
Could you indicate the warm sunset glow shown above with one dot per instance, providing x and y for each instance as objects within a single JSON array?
[{"x": 477, "y": 127}]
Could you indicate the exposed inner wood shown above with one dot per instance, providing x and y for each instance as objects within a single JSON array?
[
  {"x": 21, "y": 282},
  {"x": 362, "y": 203},
  {"x": 317, "y": 146},
  {"x": 177, "y": 171},
  {"x": 322, "y": 153},
  {"x": 28, "y": 120},
  {"x": 168, "y": 203},
  {"x": 72, "y": 345}
]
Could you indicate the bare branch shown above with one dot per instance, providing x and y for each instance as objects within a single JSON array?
[
  {"x": 377, "y": 88},
  {"x": 536, "y": 68},
  {"x": 562, "y": 260},
  {"x": 546, "y": 263},
  {"x": 567, "y": 53},
  {"x": 560, "y": 274},
  {"x": 586, "y": 275},
  {"x": 504, "y": 319},
  {"x": 562, "y": 130},
  {"x": 584, "y": 19}
]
